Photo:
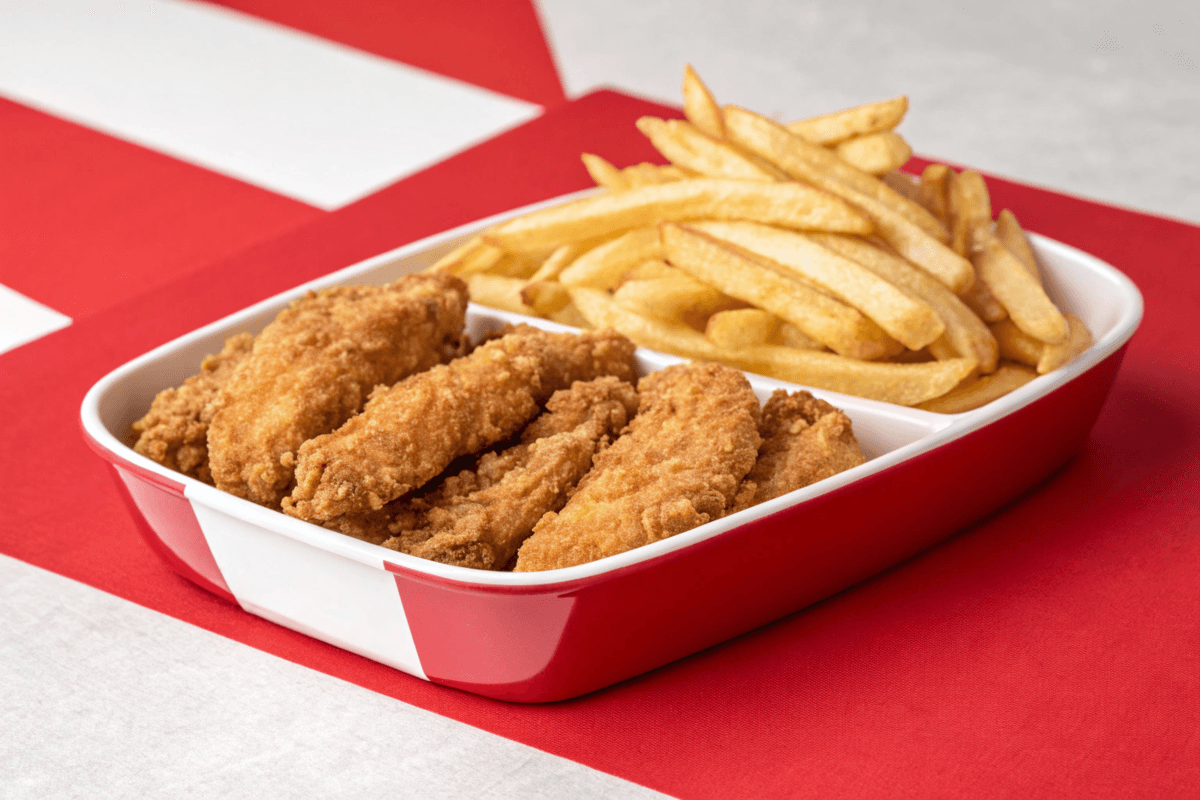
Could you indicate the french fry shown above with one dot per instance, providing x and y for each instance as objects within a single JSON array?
[
  {"x": 1018, "y": 291},
  {"x": 905, "y": 318},
  {"x": 964, "y": 331},
  {"x": 685, "y": 146},
  {"x": 905, "y": 384},
  {"x": 983, "y": 303},
  {"x": 792, "y": 336},
  {"x": 742, "y": 327},
  {"x": 480, "y": 259},
  {"x": 904, "y": 184},
  {"x": 498, "y": 291},
  {"x": 602, "y": 266},
  {"x": 673, "y": 299},
  {"x": 1056, "y": 355},
  {"x": 788, "y": 205},
  {"x": 830, "y": 129},
  {"x": 914, "y": 243},
  {"x": 741, "y": 275},
  {"x": 942, "y": 349},
  {"x": 1016, "y": 345},
  {"x": 650, "y": 268},
  {"x": 934, "y": 191},
  {"x": 970, "y": 207},
  {"x": 569, "y": 315},
  {"x": 875, "y": 153},
  {"x": 451, "y": 261},
  {"x": 1014, "y": 238},
  {"x": 814, "y": 164},
  {"x": 604, "y": 173},
  {"x": 974, "y": 394},
  {"x": 545, "y": 297},
  {"x": 646, "y": 174},
  {"x": 699, "y": 106}
]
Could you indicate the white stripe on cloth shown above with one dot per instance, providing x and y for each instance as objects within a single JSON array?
[
  {"x": 289, "y": 112},
  {"x": 101, "y": 697},
  {"x": 22, "y": 320}
]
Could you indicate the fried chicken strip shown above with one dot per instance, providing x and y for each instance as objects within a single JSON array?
[
  {"x": 484, "y": 529},
  {"x": 174, "y": 431},
  {"x": 407, "y": 519},
  {"x": 409, "y": 433},
  {"x": 678, "y": 465},
  {"x": 313, "y": 367},
  {"x": 804, "y": 440}
]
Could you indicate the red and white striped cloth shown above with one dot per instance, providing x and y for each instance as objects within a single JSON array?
[{"x": 1050, "y": 650}]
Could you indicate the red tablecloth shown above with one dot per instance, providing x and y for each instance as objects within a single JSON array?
[{"x": 1053, "y": 649}]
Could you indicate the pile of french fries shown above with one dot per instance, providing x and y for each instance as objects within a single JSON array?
[{"x": 795, "y": 251}]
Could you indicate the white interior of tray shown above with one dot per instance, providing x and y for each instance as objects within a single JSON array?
[{"x": 1103, "y": 298}]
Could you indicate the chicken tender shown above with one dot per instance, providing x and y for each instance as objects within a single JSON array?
[
  {"x": 804, "y": 440},
  {"x": 678, "y": 465},
  {"x": 313, "y": 368},
  {"x": 407, "y": 434},
  {"x": 483, "y": 529},
  {"x": 407, "y": 519},
  {"x": 174, "y": 431}
]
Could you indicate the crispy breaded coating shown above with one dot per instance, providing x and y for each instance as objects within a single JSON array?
[
  {"x": 804, "y": 440},
  {"x": 174, "y": 431},
  {"x": 482, "y": 530},
  {"x": 677, "y": 466},
  {"x": 314, "y": 366},
  {"x": 409, "y": 433}
]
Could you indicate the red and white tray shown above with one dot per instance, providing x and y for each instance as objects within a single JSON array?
[{"x": 536, "y": 637}]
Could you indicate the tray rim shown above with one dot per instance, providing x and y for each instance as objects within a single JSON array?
[{"x": 944, "y": 428}]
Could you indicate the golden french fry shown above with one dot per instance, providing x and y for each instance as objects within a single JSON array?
[
  {"x": 450, "y": 261},
  {"x": 472, "y": 256},
  {"x": 983, "y": 303},
  {"x": 821, "y": 167},
  {"x": 904, "y": 184},
  {"x": 905, "y": 318},
  {"x": 674, "y": 299},
  {"x": 545, "y": 297},
  {"x": 740, "y": 274},
  {"x": 742, "y": 327},
  {"x": 604, "y": 173},
  {"x": 829, "y": 129},
  {"x": 685, "y": 146},
  {"x": 499, "y": 292},
  {"x": 700, "y": 107},
  {"x": 1014, "y": 238},
  {"x": 792, "y": 336},
  {"x": 943, "y": 349},
  {"x": 1018, "y": 291},
  {"x": 1016, "y": 345},
  {"x": 974, "y": 394},
  {"x": 788, "y": 205},
  {"x": 965, "y": 331},
  {"x": 602, "y": 266},
  {"x": 569, "y": 315},
  {"x": 650, "y": 268},
  {"x": 875, "y": 153},
  {"x": 905, "y": 384},
  {"x": 646, "y": 174},
  {"x": 1056, "y": 355},
  {"x": 933, "y": 193},
  {"x": 480, "y": 259},
  {"x": 970, "y": 207}
]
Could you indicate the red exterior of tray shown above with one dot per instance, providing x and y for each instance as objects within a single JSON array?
[
  {"x": 546, "y": 643},
  {"x": 165, "y": 519}
]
